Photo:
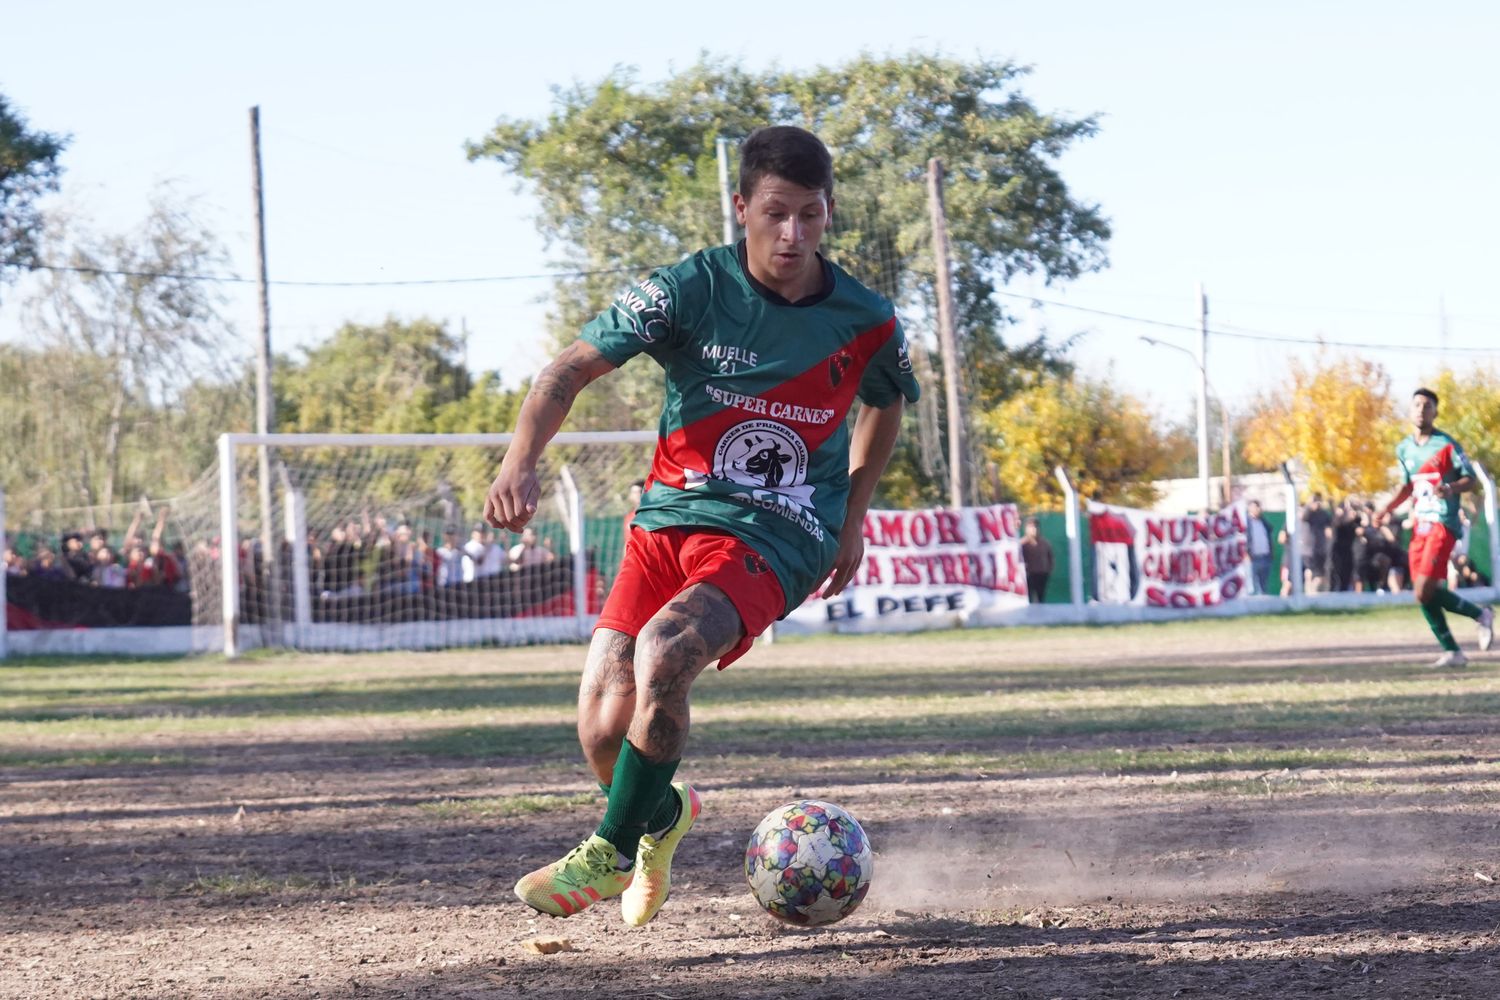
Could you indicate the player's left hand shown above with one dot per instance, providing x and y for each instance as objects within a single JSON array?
[
  {"x": 851, "y": 553},
  {"x": 512, "y": 498}
]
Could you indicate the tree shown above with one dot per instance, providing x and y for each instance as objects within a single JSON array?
[
  {"x": 1469, "y": 409},
  {"x": 129, "y": 309},
  {"x": 28, "y": 169},
  {"x": 397, "y": 378},
  {"x": 1337, "y": 418},
  {"x": 393, "y": 378},
  {"x": 1107, "y": 440},
  {"x": 627, "y": 179}
]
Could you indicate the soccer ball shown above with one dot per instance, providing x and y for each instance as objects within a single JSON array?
[{"x": 809, "y": 863}]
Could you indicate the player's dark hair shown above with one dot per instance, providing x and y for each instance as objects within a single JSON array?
[
  {"x": 1424, "y": 391},
  {"x": 786, "y": 151}
]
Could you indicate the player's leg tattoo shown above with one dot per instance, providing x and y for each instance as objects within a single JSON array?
[
  {"x": 696, "y": 627},
  {"x": 606, "y": 699}
]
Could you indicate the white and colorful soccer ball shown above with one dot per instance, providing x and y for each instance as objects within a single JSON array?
[{"x": 809, "y": 863}]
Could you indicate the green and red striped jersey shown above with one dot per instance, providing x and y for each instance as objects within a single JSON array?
[
  {"x": 1439, "y": 459},
  {"x": 752, "y": 437}
]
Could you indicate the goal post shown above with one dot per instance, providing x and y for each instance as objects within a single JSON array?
[{"x": 359, "y": 566}]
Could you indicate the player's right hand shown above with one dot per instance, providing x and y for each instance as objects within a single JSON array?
[{"x": 512, "y": 498}]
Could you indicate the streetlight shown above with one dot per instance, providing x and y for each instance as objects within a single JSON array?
[{"x": 1203, "y": 476}]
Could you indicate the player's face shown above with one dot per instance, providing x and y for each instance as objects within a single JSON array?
[
  {"x": 1423, "y": 411},
  {"x": 784, "y": 223}
]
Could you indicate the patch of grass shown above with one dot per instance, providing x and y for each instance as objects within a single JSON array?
[
  {"x": 1271, "y": 785},
  {"x": 241, "y": 885},
  {"x": 248, "y": 884},
  {"x": 92, "y": 758},
  {"x": 933, "y": 702},
  {"x": 507, "y": 806},
  {"x": 1119, "y": 760},
  {"x": 512, "y": 740}
]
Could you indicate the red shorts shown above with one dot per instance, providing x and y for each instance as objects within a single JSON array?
[
  {"x": 659, "y": 564},
  {"x": 1431, "y": 545}
]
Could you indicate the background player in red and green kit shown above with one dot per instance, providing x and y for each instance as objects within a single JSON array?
[
  {"x": 756, "y": 497},
  {"x": 1436, "y": 471}
]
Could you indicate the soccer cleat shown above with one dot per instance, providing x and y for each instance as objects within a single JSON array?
[
  {"x": 1453, "y": 658},
  {"x": 587, "y": 875},
  {"x": 1486, "y": 628},
  {"x": 653, "y": 862}
]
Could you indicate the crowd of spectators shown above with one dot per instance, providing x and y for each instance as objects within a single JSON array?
[
  {"x": 357, "y": 556},
  {"x": 1345, "y": 547},
  {"x": 370, "y": 556},
  {"x": 89, "y": 557}
]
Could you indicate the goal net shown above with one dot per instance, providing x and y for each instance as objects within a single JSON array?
[{"x": 370, "y": 542}]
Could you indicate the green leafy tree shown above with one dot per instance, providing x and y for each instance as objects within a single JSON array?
[
  {"x": 1106, "y": 439},
  {"x": 627, "y": 179},
  {"x": 28, "y": 170},
  {"x": 397, "y": 378},
  {"x": 391, "y": 378},
  {"x": 127, "y": 310}
]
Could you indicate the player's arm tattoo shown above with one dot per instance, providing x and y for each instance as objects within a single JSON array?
[{"x": 566, "y": 375}]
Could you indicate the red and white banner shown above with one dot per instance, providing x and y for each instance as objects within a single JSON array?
[
  {"x": 924, "y": 568},
  {"x": 1160, "y": 561}
]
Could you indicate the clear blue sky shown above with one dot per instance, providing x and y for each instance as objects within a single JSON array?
[{"x": 1325, "y": 169}]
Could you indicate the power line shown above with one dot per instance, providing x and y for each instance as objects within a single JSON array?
[
  {"x": 1232, "y": 332},
  {"x": 234, "y": 279},
  {"x": 1239, "y": 333}
]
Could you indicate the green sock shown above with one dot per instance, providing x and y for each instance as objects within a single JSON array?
[
  {"x": 634, "y": 797},
  {"x": 1452, "y": 602},
  {"x": 1438, "y": 622},
  {"x": 666, "y": 814}
]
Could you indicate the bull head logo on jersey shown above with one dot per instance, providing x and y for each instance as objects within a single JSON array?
[{"x": 766, "y": 460}]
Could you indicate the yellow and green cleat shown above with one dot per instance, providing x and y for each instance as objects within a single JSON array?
[
  {"x": 653, "y": 862},
  {"x": 587, "y": 875}
]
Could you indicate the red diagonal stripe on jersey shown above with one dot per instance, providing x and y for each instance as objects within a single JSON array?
[
  {"x": 1440, "y": 462},
  {"x": 691, "y": 446}
]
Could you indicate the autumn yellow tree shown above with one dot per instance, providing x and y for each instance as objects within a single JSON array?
[
  {"x": 1336, "y": 416},
  {"x": 1469, "y": 409},
  {"x": 1106, "y": 439}
]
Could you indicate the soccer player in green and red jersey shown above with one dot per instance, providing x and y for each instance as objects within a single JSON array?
[
  {"x": 756, "y": 497},
  {"x": 1436, "y": 471}
]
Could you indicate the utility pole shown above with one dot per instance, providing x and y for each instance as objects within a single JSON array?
[
  {"x": 726, "y": 198},
  {"x": 265, "y": 420},
  {"x": 1228, "y": 488},
  {"x": 953, "y": 368},
  {"x": 1203, "y": 476}
]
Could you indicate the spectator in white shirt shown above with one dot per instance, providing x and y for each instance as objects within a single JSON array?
[
  {"x": 527, "y": 552},
  {"x": 451, "y": 560}
]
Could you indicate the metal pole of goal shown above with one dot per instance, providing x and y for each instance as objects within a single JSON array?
[
  {"x": 1075, "y": 540},
  {"x": 229, "y": 546},
  {"x": 4, "y": 572},
  {"x": 1490, "y": 519}
]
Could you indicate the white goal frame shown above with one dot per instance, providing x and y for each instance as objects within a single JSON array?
[{"x": 303, "y": 630}]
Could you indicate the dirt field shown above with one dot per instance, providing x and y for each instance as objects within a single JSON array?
[{"x": 344, "y": 853}]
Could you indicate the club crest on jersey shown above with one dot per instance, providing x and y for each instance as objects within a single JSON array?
[
  {"x": 761, "y": 453},
  {"x": 837, "y": 366},
  {"x": 755, "y": 564}
]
